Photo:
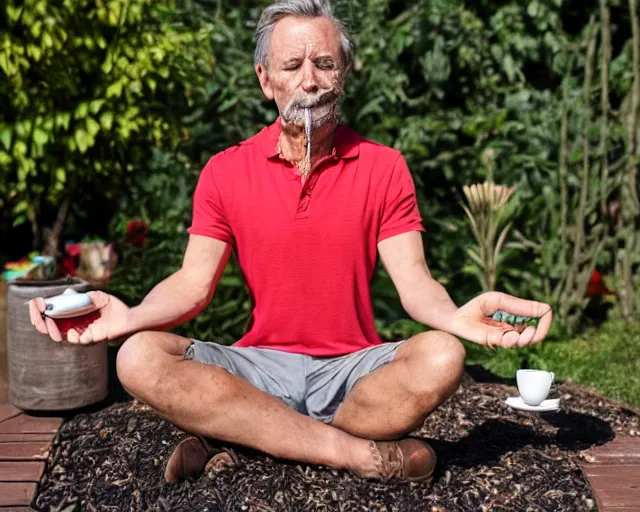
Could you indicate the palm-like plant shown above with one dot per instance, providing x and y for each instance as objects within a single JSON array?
[{"x": 490, "y": 208}]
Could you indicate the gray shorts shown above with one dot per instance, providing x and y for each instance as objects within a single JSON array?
[{"x": 315, "y": 386}]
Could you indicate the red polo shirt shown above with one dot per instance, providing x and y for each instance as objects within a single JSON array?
[{"x": 307, "y": 251}]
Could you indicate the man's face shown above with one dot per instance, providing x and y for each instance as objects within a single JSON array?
[{"x": 304, "y": 69}]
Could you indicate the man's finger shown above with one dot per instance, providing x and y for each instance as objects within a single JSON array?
[
  {"x": 510, "y": 339},
  {"x": 98, "y": 331},
  {"x": 100, "y": 299},
  {"x": 494, "y": 338},
  {"x": 493, "y": 302},
  {"x": 73, "y": 336},
  {"x": 526, "y": 336},
  {"x": 54, "y": 332},
  {"x": 87, "y": 336},
  {"x": 543, "y": 326},
  {"x": 36, "y": 318}
]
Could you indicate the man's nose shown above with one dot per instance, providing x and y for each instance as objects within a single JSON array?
[{"x": 309, "y": 79}]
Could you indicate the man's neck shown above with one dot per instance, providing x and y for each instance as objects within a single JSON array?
[{"x": 292, "y": 143}]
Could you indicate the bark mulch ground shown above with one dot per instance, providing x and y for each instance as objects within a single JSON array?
[{"x": 491, "y": 457}]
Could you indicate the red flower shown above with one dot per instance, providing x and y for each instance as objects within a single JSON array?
[
  {"x": 73, "y": 250},
  {"x": 67, "y": 266},
  {"x": 597, "y": 286},
  {"x": 137, "y": 232},
  {"x": 69, "y": 263}
]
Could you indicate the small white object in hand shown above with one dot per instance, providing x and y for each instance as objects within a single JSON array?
[{"x": 68, "y": 305}]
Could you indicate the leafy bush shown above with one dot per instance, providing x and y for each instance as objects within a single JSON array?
[
  {"x": 169, "y": 84},
  {"x": 443, "y": 82},
  {"x": 87, "y": 89}
]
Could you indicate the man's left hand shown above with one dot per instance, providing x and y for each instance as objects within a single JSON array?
[{"x": 473, "y": 321}]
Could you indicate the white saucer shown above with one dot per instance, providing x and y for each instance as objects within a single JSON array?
[{"x": 550, "y": 405}]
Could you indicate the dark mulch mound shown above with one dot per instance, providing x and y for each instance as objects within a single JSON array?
[{"x": 491, "y": 458}]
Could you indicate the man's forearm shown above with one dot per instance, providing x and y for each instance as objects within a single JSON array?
[
  {"x": 430, "y": 304},
  {"x": 175, "y": 300}
]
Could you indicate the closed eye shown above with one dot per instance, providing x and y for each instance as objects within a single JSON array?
[
  {"x": 291, "y": 65},
  {"x": 325, "y": 63}
]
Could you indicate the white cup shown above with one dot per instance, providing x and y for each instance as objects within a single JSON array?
[{"x": 534, "y": 385}]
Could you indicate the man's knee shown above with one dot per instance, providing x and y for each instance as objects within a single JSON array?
[
  {"x": 151, "y": 367},
  {"x": 137, "y": 362},
  {"x": 439, "y": 358}
]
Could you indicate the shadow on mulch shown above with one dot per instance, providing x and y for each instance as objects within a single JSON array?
[
  {"x": 491, "y": 457},
  {"x": 486, "y": 444}
]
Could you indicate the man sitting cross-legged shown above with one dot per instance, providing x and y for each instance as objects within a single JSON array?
[{"x": 307, "y": 205}]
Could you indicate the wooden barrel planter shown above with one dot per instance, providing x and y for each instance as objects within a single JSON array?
[
  {"x": 45, "y": 375},
  {"x": 4, "y": 384}
]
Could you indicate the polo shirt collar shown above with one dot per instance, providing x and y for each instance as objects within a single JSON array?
[{"x": 346, "y": 142}]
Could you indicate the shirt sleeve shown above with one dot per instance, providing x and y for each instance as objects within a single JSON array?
[
  {"x": 209, "y": 218},
  {"x": 400, "y": 212}
]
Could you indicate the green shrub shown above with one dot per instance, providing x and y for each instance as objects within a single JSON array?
[{"x": 440, "y": 81}]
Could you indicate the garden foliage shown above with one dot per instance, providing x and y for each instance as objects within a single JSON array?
[
  {"x": 131, "y": 97},
  {"x": 87, "y": 89}
]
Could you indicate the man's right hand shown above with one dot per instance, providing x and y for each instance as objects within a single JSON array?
[{"x": 112, "y": 320}]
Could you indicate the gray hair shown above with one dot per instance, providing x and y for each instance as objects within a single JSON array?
[{"x": 302, "y": 9}]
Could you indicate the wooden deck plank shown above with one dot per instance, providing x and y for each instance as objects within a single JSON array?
[
  {"x": 616, "y": 461},
  {"x": 24, "y": 451},
  {"x": 621, "y": 450},
  {"x": 613, "y": 471},
  {"x": 627, "y": 450},
  {"x": 618, "y": 498},
  {"x": 619, "y": 470},
  {"x": 24, "y": 438},
  {"x": 16, "y": 493},
  {"x": 621, "y": 444},
  {"x": 627, "y": 460},
  {"x": 8, "y": 411},
  {"x": 21, "y": 471},
  {"x": 25, "y": 424},
  {"x": 614, "y": 509},
  {"x": 24, "y": 443},
  {"x": 623, "y": 483}
]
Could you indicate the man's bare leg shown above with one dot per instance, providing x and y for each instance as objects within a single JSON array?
[
  {"x": 209, "y": 401},
  {"x": 396, "y": 399}
]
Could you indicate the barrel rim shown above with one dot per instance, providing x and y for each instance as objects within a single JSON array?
[{"x": 25, "y": 289}]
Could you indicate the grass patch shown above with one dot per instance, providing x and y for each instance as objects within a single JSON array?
[{"x": 606, "y": 359}]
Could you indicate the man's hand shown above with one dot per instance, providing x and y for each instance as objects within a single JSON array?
[
  {"x": 473, "y": 321},
  {"x": 109, "y": 322}
]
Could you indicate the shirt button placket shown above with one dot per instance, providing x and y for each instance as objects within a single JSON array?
[
  {"x": 303, "y": 203},
  {"x": 303, "y": 206},
  {"x": 305, "y": 197}
]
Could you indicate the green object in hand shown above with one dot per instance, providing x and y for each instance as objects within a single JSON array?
[
  {"x": 497, "y": 316},
  {"x": 503, "y": 316}
]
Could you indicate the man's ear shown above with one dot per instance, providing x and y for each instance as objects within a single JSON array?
[{"x": 265, "y": 83}]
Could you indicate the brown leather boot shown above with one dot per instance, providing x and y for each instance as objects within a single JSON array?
[
  {"x": 188, "y": 459},
  {"x": 408, "y": 459},
  {"x": 221, "y": 461}
]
